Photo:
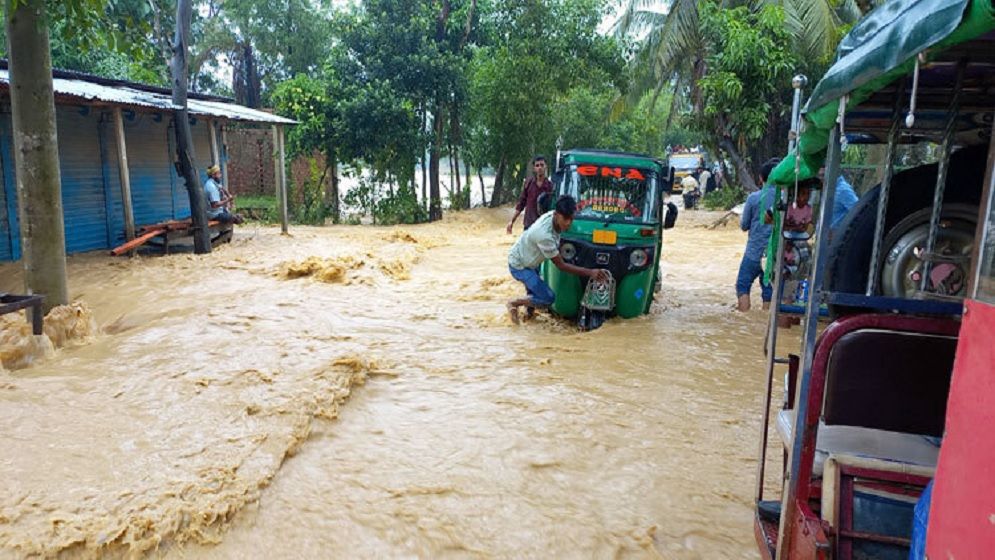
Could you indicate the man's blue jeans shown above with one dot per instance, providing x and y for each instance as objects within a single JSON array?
[
  {"x": 749, "y": 270},
  {"x": 540, "y": 294}
]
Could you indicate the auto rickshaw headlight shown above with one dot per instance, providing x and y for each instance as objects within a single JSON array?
[
  {"x": 568, "y": 251},
  {"x": 638, "y": 258}
]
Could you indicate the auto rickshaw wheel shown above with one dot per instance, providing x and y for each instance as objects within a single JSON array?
[{"x": 588, "y": 319}]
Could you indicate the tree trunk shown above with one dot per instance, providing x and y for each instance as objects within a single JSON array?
[
  {"x": 469, "y": 184},
  {"x": 483, "y": 193},
  {"x": 424, "y": 169},
  {"x": 455, "y": 141},
  {"x": 497, "y": 195},
  {"x": 245, "y": 77},
  {"x": 333, "y": 189},
  {"x": 743, "y": 174},
  {"x": 36, "y": 153},
  {"x": 187, "y": 164},
  {"x": 454, "y": 153},
  {"x": 435, "y": 203}
]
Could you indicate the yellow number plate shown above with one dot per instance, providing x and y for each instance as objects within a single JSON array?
[{"x": 605, "y": 236}]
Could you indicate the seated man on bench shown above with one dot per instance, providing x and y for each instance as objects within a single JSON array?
[{"x": 219, "y": 199}]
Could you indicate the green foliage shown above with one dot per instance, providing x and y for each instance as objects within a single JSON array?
[
  {"x": 258, "y": 208},
  {"x": 535, "y": 57},
  {"x": 308, "y": 201},
  {"x": 264, "y": 41},
  {"x": 304, "y": 99},
  {"x": 371, "y": 197},
  {"x": 103, "y": 37},
  {"x": 749, "y": 62},
  {"x": 724, "y": 198}
]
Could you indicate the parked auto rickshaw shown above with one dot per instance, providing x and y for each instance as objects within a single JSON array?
[
  {"x": 891, "y": 387},
  {"x": 621, "y": 215}
]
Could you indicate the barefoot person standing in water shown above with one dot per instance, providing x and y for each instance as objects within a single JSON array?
[{"x": 539, "y": 242}]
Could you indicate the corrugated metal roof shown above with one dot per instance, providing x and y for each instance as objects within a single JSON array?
[
  {"x": 234, "y": 112},
  {"x": 131, "y": 97}
]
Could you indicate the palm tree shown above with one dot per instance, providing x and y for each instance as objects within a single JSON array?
[{"x": 672, "y": 51}]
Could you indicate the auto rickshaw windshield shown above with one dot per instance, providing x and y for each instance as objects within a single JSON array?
[{"x": 615, "y": 194}]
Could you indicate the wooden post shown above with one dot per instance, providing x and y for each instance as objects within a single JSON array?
[
  {"x": 215, "y": 160},
  {"x": 224, "y": 157},
  {"x": 280, "y": 173},
  {"x": 285, "y": 219},
  {"x": 122, "y": 165}
]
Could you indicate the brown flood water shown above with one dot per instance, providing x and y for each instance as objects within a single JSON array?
[{"x": 358, "y": 392}]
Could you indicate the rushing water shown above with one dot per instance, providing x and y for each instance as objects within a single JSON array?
[{"x": 359, "y": 392}]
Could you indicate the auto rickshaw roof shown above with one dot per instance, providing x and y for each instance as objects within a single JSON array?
[
  {"x": 608, "y": 157},
  {"x": 875, "y": 64}
]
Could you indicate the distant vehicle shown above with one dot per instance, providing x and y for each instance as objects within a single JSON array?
[
  {"x": 618, "y": 226},
  {"x": 684, "y": 164}
]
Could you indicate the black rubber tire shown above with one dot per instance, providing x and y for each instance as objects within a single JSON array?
[
  {"x": 849, "y": 256},
  {"x": 590, "y": 320}
]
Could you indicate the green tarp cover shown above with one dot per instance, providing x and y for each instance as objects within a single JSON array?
[{"x": 880, "y": 48}]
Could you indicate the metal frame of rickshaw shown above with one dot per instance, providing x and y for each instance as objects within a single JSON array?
[{"x": 795, "y": 517}]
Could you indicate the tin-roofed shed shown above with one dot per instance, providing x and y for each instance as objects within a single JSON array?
[{"x": 116, "y": 152}]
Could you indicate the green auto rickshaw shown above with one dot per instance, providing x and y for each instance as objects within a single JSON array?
[{"x": 621, "y": 215}]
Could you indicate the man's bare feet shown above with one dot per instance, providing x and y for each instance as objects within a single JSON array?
[{"x": 513, "y": 313}]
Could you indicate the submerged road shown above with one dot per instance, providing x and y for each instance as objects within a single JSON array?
[{"x": 358, "y": 392}]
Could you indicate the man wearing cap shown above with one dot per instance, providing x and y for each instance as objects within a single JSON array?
[{"x": 218, "y": 198}]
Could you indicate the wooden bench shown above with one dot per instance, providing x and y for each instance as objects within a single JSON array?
[{"x": 162, "y": 234}]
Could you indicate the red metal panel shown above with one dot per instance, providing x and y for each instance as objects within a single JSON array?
[
  {"x": 962, "y": 514},
  {"x": 809, "y": 541}
]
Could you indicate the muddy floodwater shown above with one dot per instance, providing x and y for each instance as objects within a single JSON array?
[{"x": 358, "y": 392}]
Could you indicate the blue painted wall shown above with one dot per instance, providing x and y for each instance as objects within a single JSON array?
[
  {"x": 91, "y": 184},
  {"x": 84, "y": 199},
  {"x": 10, "y": 238}
]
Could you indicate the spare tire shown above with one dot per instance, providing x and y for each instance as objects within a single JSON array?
[
  {"x": 849, "y": 249},
  {"x": 902, "y": 267}
]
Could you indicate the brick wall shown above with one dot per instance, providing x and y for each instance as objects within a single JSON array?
[
  {"x": 250, "y": 161},
  {"x": 250, "y": 164}
]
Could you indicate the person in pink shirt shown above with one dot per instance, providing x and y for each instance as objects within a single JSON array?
[
  {"x": 798, "y": 218},
  {"x": 797, "y": 221}
]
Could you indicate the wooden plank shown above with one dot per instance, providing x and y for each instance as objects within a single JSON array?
[{"x": 137, "y": 242}]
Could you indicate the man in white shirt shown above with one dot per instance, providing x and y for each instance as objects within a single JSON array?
[
  {"x": 689, "y": 185},
  {"x": 538, "y": 243}
]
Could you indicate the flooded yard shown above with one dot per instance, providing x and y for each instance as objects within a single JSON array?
[{"x": 358, "y": 392}]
